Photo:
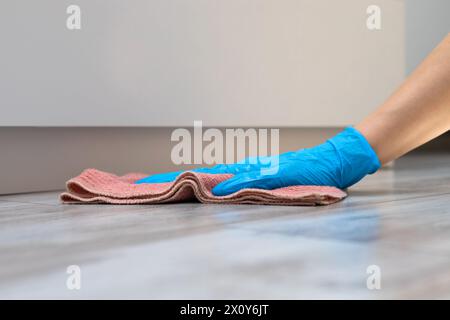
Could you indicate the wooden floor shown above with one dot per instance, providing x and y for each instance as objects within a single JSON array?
[{"x": 397, "y": 219}]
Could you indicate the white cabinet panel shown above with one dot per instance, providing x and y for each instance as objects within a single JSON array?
[{"x": 170, "y": 62}]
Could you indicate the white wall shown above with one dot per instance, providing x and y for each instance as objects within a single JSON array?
[
  {"x": 169, "y": 62},
  {"x": 427, "y": 23}
]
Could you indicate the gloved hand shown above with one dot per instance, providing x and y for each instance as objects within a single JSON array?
[
  {"x": 246, "y": 165},
  {"x": 341, "y": 162}
]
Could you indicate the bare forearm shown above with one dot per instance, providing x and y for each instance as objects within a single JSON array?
[{"x": 416, "y": 113}]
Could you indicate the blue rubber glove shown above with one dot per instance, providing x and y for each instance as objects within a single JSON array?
[
  {"x": 341, "y": 162},
  {"x": 246, "y": 165}
]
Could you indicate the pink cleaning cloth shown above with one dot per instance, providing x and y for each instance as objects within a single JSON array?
[{"x": 94, "y": 186}]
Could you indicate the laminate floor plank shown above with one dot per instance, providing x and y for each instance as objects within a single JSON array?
[{"x": 397, "y": 219}]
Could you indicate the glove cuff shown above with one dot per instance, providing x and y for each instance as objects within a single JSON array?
[
  {"x": 374, "y": 162},
  {"x": 356, "y": 154}
]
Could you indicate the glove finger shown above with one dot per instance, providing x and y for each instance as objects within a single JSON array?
[
  {"x": 171, "y": 176},
  {"x": 218, "y": 169},
  {"x": 253, "y": 179},
  {"x": 160, "y": 177},
  {"x": 246, "y": 165},
  {"x": 234, "y": 168}
]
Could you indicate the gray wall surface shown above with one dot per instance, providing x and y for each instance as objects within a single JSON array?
[
  {"x": 280, "y": 63},
  {"x": 34, "y": 159},
  {"x": 427, "y": 23}
]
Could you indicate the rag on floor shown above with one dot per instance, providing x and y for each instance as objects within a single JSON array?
[{"x": 94, "y": 186}]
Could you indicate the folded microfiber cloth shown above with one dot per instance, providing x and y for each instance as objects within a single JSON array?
[{"x": 94, "y": 186}]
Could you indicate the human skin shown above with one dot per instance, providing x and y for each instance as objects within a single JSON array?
[{"x": 417, "y": 112}]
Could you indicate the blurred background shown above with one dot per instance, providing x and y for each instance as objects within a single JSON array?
[{"x": 110, "y": 94}]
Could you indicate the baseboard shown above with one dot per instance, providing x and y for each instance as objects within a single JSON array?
[{"x": 38, "y": 159}]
